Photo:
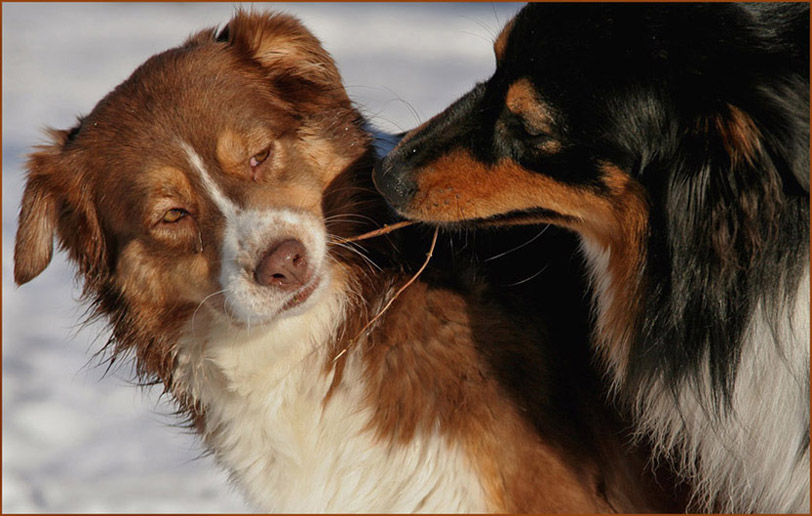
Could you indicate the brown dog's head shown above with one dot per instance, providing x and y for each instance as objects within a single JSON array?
[{"x": 200, "y": 178}]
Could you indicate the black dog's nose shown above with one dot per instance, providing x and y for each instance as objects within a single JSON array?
[{"x": 393, "y": 182}]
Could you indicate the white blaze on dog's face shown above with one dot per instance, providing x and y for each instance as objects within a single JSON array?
[
  {"x": 272, "y": 258},
  {"x": 200, "y": 179}
]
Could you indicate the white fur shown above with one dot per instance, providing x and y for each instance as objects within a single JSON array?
[
  {"x": 227, "y": 208},
  {"x": 247, "y": 236},
  {"x": 750, "y": 458},
  {"x": 597, "y": 257},
  {"x": 263, "y": 389},
  {"x": 249, "y": 233}
]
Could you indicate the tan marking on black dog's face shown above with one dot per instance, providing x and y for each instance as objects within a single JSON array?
[
  {"x": 522, "y": 100},
  {"x": 456, "y": 188},
  {"x": 533, "y": 115}
]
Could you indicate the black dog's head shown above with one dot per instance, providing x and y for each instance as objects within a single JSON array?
[
  {"x": 588, "y": 100},
  {"x": 675, "y": 136}
]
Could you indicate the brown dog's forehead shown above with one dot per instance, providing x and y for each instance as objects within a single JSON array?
[
  {"x": 200, "y": 97},
  {"x": 186, "y": 94}
]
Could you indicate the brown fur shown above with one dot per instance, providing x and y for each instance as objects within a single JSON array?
[
  {"x": 740, "y": 135},
  {"x": 457, "y": 365},
  {"x": 446, "y": 355}
]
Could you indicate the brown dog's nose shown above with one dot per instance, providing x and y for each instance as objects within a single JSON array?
[{"x": 284, "y": 266}]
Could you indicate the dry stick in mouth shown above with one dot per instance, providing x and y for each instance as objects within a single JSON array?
[
  {"x": 400, "y": 290},
  {"x": 387, "y": 228}
]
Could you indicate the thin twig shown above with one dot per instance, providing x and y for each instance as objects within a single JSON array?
[
  {"x": 387, "y": 228},
  {"x": 395, "y": 296}
]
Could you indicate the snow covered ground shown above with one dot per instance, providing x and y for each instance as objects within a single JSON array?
[{"x": 75, "y": 440}]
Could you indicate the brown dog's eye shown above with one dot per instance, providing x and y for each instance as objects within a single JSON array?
[
  {"x": 256, "y": 159},
  {"x": 174, "y": 215}
]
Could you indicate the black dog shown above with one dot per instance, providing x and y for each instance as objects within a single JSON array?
[{"x": 674, "y": 140}]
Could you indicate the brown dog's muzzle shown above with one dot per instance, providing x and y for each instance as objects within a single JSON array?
[{"x": 284, "y": 266}]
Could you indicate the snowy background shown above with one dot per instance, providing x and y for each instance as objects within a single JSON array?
[{"x": 75, "y": 440}]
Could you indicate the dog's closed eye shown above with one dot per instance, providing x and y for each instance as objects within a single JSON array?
[
  {"x": 528, "y": 136},
  {"x": 524, "y": 129},
  {"x": 257, "y": 159},
  {"x": 174, "y": 215}
]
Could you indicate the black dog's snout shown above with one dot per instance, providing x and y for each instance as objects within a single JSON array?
[{"x": 393, "y": 181}]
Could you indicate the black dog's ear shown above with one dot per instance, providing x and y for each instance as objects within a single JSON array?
[
  {"x": 725, "y": 192},
  {"x": 734, "y": 222},
  {"x": 54, "y": 205}
]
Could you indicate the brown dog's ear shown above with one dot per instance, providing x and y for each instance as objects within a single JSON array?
[
  {"x": 35, "y": 232},
  {"x": 37, "y": 224},
  {"x": 293, "y": 58},
  {"x": 281, "y": 41},
  {"x": 55, "y": 204}
]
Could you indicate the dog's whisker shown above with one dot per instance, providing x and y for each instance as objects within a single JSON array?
[
  {"x": 377, "y": 116},
  {"x": 496, "y": 17},
  {"x": 490, "y": 30},
  {"x": 520, "y": 246},
  {"x": 417, "y": 118},
  {"x": 359, "y": 251},
  {"x": 351, "y": 216},
  {"x": 200, "y": 305},
  {"x": 334, "y": 191},
  {"x": 389, "y": 303},
  {"x": 529, "y": 278},
  {"x": 479, "y": 36}
]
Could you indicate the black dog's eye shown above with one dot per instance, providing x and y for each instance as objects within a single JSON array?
[
  {"x": 526, "y": 132},
  {"x": 534, "y": 132}
]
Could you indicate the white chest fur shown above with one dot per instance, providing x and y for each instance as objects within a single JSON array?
[
  {"x": 267, "y": 423},
  {"x": 749, "y": 460}
]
